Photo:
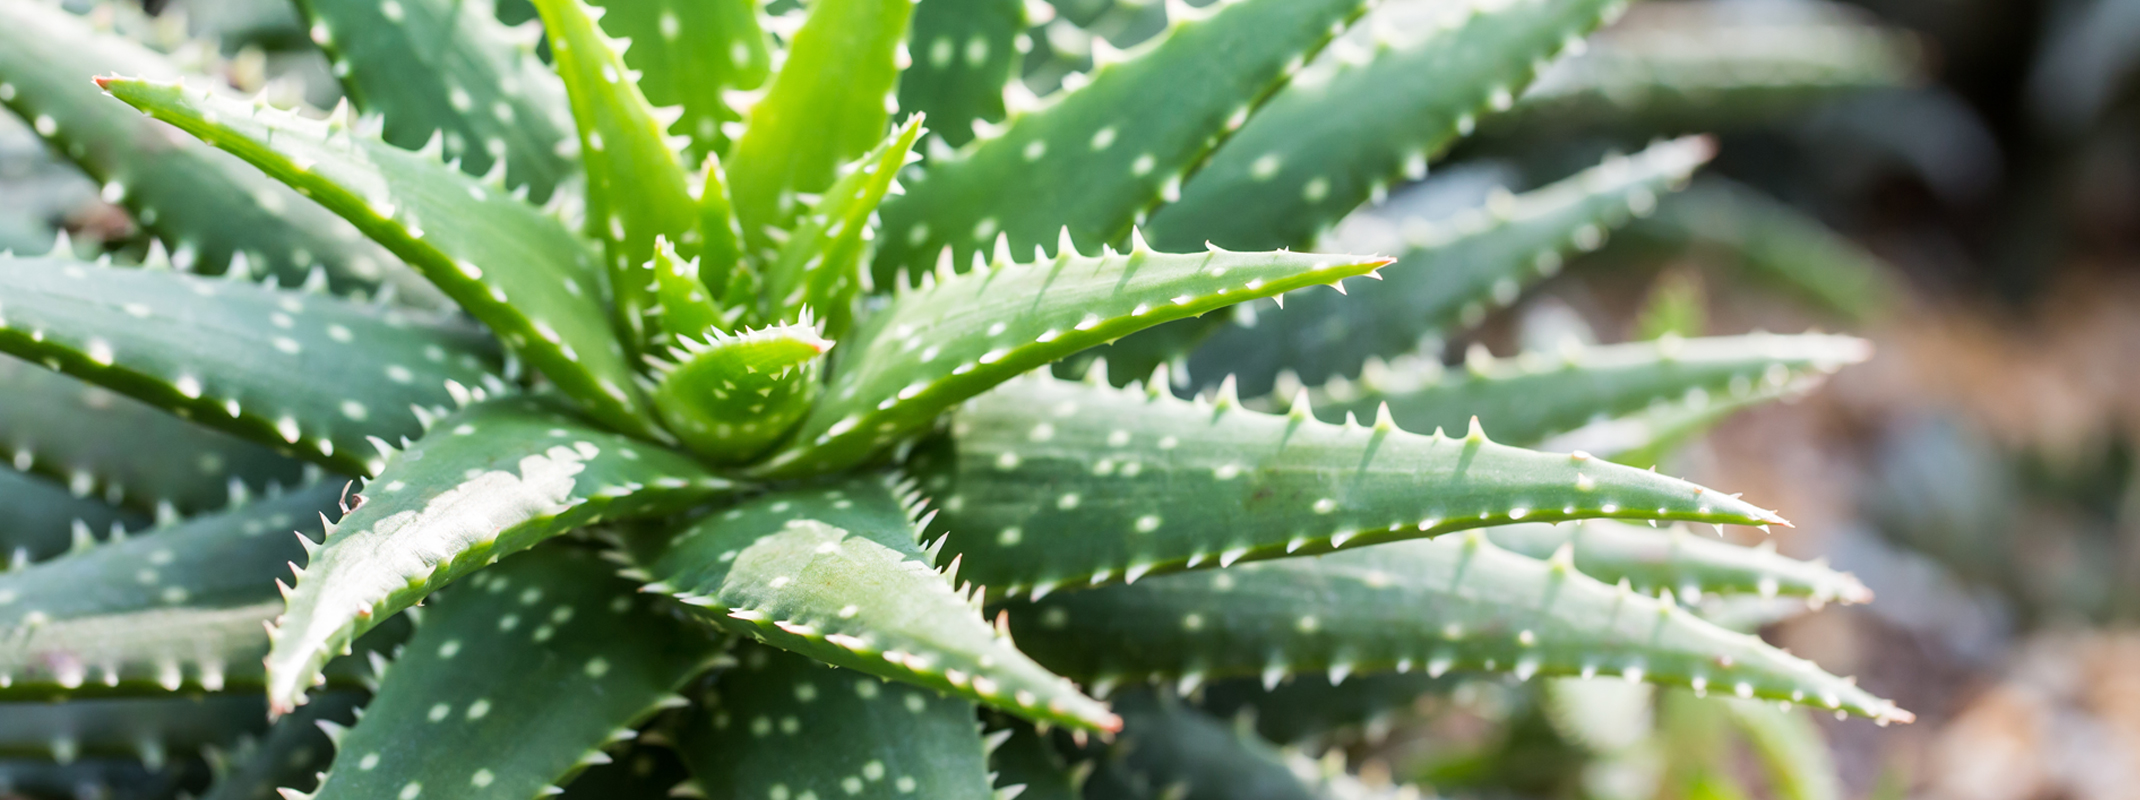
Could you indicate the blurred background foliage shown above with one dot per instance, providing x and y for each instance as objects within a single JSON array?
[{"x": 1958, "y": 180}]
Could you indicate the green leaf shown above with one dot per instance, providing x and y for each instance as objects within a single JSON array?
[
  {"x": 1687, "y": 564},
  {"x": 780, "y": 725},
  {"x": 40, "y": 519},
  {"x": 1533, "y": 396},
  {"x": 1099, "y": 157},
  {"x": 1774, "y": 245},
  {"x": 472, "y": 706},
  {"x": 181, "y": 606},
  {"x": 636, "y": 189},
  {"x": 1453, "y": 604},
  {"x": 837, "y": 575},
  {"x": 1800, "y": 762},
  {"x": 728, "y": 274},
  {"x": 958, "y": 335},
  {"x": 1342, "y": 132},
  {"x": 152, "y": 730},
  {"x": 1051, "y": 484},
  {"x": 687, "y": 311},
  {"x": 1306, "y": 707},
  {"x": 827, "y": 106},
  {"x": 732, "y": 397},
  {"x": 687, "y": 53},
  {"x": 1452, "y": 271},
  {"x": 516, "y": 270},
  {"x": 820, "y": 267},
  {"x": 125, "y": 451},
  {"x": 966, "y": 52},
  {"x": 291, "y": 753},
  {"x": 1170, "y": 750},
  {"x": 314, "y": 374},
  {"x": 1025, "y": 762},
  {"x": 486, "y": 482},
  {"x": 448, "y": 68},
  {"x": 204, "y": 206}
]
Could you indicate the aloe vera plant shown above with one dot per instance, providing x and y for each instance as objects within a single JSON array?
[{"x": 767, "y": 365}]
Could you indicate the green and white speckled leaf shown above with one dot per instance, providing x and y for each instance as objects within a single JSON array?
[
  {"x": 820, "y": 267},
  {"x": 687, "y": 53},
  {"x": 728, "y": 275},
  {"x": 552, "y": 624},
  {"x": 131, "y": 454},
  {"x": 1303, "y": 707},
  {"x": 312, "y": 373},
  {"x": 1772, "y": 244},
  {"x": 732, "y": 397},
  {"x": 780, "y": 725},
  {"x": 958, "y": 335},
  {"x": 486, "y": 482},
  {"x": 291, "y": 753},
  {"x": 1025, "y": 759},
  {"x": 522, "y": 273},
  {"x": 153, "y": 730},
  {"x": 1529, "y": 398},
  {"x": 1343, "y": 131},
  {"x": 40, "y": 519},
  {"x": 636, "y": 188},
  {"x": 686, "y": 309},
  {"x": 966, "y": 52},
  {"x": 182, "y": 606},
  {"x": 1687, "y": 564},
  {"x": 1170, "y": 750},
  {"x": 1453, "y": 604},
  {"x": 204, "y": 206},
  {"x": 1451, "y": 273},
  {"x": 827, "y": 106},
  {"x": 1052, "y": 484},
  {"x": 836, "y": 574},
  {"x": 449, "y": 68},
  {"x": 1099, "y": 157}
]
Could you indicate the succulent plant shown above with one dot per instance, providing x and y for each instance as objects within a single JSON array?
[{"x": 766, "y": 364}]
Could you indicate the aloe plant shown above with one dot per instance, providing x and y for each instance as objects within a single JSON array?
[{"x": 767, "y": 365}]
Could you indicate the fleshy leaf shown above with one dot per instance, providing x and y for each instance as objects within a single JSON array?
[
  {"x": 1453, "y": 604},
  {"x": 836, "y": 574},
  {"x": 552, "y": 624},
  {"x": 1687, "y": 564},
  {"x": 781, "y": 725},
  {"x": 1342, "y": 132},
  {"x": 1533, "y": 396},
  {"x": 1195, "y": 756},
  {"x": 727, "y": 274},
  {"x": 152, "y": 730},
  {"x": 289, "y": 754},
  {"x": 183, "y": 606},
  {"x": 827, "y": 106},
  {"x": 687, "y": 311},
  {"x": 1773, "y": 244},
  {"x": 129, "y": 453},
  {"x": 965, "y": 53},
  {"x": 1303, "y": 707},
  {"x": 1061, "y": 166},
  {"x": 204, "y": 206},
  {"x": 733, "y": 396},
  {"x": 958, "y": 335},
  {"x": 448, "y": 68},
  {"x": 518, "y": 271},
  {"x": 40, "y": 519},
  {"x": 687, "y": 53},
  {"x": 1052, "y": 484},
  {"x": 1452, "y": 271},
  {"x": 1025, "y": 762},
  {"x": 486, "y": 482},
  {"x": 636, "y": 188},
  {"x": 311, "y": 373},
  {"x": 820, "y": 267}
]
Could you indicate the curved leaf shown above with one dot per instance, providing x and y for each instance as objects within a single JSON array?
[
  {"x": 966, "y": 52},
  {"x": 521, "y": 273},
  {"x": 827, "y": 106},
  {"x": 1309, "y": 706},
  {"x": 1681, "y": 562},
  {"x": 1027, "y": 764},
  {"x": 448, "y": 68},
  {"x": 1060, "y": 167},
  {"x": 485, "y": 674},
  {"x": 125, "y": 451},
  {"x": 687, "y": 52},
  {"x": 311, "y": 373},
  {"x": 152, "y": 730},
  {"x": 1534, "y": 396},
  {"x": 780, "y": 725},
  {"x": 730, "y": 398},
  {"x": 1051, "y": 484},
  {"x": 1775, "y": 245},
  {"x": 486, "y": 482},
  {"x": 1170, "y": 750},
  {"x": 820, "y": 267},
  {"x": 1459, "y": 603},
  {"x": 40, "y": 519},
  {"x": 958, "y": 335},
  {"x": 836, "y": 574},
  {"x": 205, "y": 206},
  {"x": 290, "y": 753}
]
